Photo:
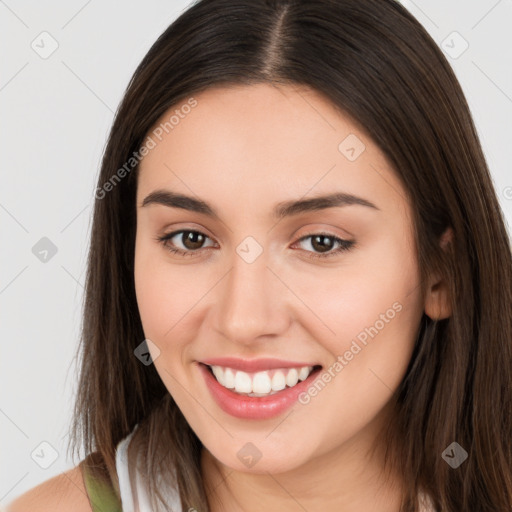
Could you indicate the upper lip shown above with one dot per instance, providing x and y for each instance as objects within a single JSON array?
[{"x": 254, "y": 365}]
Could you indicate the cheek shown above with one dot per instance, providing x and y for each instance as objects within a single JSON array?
[
  {"x": 163, "y": 299},
  {"x": 160, "y": 296},
  {"x": 370, "y": 311},
  {"x": 372, "y": 298},
  {"x": 164, "y": 291},
  {"x": 171, "y": 300}
]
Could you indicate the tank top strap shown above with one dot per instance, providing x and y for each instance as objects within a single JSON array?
[{"x": 100, "y": 490}]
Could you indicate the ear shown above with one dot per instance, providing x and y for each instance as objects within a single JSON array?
[{"x": 437, "y": 300}]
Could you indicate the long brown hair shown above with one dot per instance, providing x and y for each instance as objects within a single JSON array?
[{"x": 376, "y": 63}]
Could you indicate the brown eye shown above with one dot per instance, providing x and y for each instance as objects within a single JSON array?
[
  {"x": 323, "y": 245},
  {"x": 191, "y": 241}
]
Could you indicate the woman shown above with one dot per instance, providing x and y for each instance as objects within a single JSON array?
[{"x": 299, "y": 281}]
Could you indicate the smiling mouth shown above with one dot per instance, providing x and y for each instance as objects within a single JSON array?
[{"x": 262, "y": 383}]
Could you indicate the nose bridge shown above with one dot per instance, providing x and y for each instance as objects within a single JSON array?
[{"x": 249, "y": 296}]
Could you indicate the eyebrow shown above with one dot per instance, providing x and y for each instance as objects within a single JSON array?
[{"x": 281, "y": 210}]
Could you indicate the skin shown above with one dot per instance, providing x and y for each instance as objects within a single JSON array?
[{"x": 244, "y": 149}]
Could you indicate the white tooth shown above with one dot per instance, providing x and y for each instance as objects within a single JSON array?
[
  {"x": 304, "y": 372},
  {"x": 261, "y": 383},
  {"x": 229, "y": 378},
  {"x": 243, "y": 382},
  {"x": 278, "y": 381},
  {"x": 292, "y": 377},
  {"x": 219, "y": 373}
]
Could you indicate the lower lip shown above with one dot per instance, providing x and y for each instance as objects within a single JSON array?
[{"x": 254, "y": 408}]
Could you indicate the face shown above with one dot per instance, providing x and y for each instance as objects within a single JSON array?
[{"x": 332, "y": 286}]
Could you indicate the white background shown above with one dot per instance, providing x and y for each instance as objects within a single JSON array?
[{"x": 56, "y": 114}]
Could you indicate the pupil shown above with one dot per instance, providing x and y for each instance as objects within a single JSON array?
[
  {"x": 320, "y": 239},
  {"x": 193, "y": 237}
]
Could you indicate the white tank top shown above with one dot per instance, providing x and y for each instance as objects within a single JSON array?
[{"x": 135, "y": 498}]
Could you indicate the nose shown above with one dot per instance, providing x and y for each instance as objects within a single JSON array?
[{"x": 252, "y": 302}]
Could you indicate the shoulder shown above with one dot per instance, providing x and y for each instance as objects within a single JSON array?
[{"x": 60, "y": 493}]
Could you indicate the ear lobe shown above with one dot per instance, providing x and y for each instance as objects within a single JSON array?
[
  {"x": 437, "y": 304},
  {"x": 437, "y": 301},
  {"x": 446, "y": 238}
]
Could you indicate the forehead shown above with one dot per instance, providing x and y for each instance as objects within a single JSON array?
[{"x": 264, "y": 143}]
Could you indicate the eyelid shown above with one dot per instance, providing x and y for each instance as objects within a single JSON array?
[
  {"x": 163, "y": 239},
  {"x": 344, "y": 244},
  {"x": 198, "y": 228}
]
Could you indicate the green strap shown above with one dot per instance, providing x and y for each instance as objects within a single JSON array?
[{"x": 101, "y": 495}]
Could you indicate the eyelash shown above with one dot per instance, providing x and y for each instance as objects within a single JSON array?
[{"x": 345, "y": 245}]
